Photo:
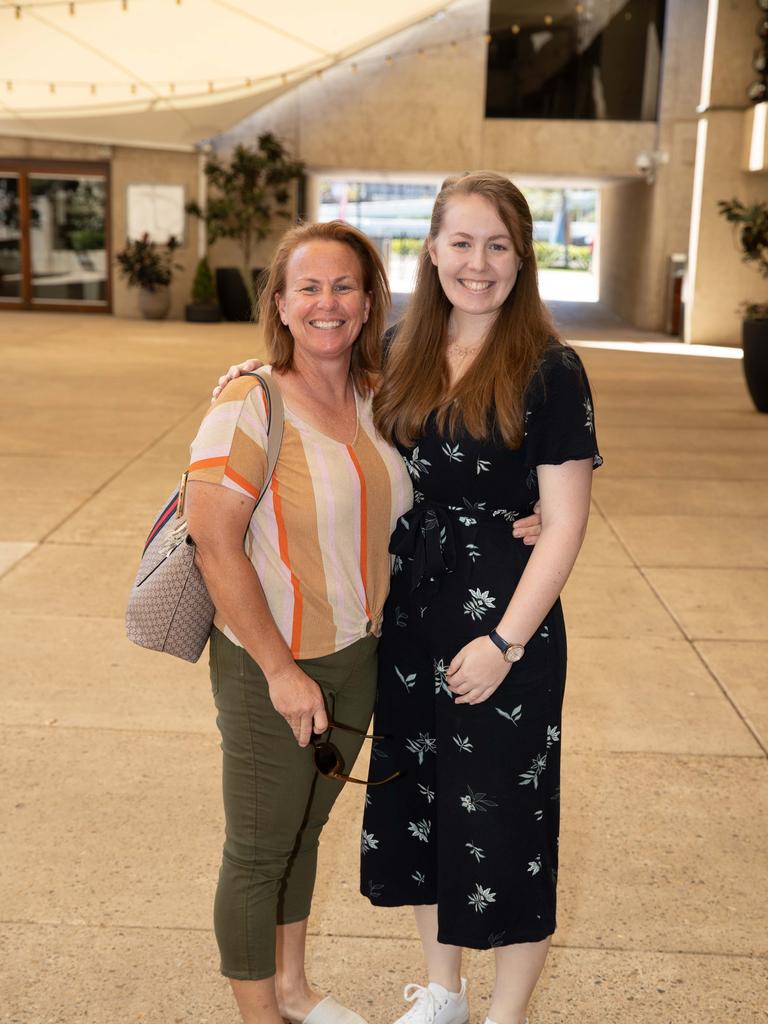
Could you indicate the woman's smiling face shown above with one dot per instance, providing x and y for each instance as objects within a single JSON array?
[
  {"x": 323, "y": 303},
  {"x": 475, "y": 256}
]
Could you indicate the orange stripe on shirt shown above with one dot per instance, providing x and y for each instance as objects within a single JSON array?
[
  {"x": 363, "y": 527},
  {"x": 242, "y": 482},
  {"x": 220, "y": 460},
  {"x": 282, "y": 543}
]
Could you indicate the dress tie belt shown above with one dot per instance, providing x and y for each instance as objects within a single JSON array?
[{"x": 425, "y": 537}]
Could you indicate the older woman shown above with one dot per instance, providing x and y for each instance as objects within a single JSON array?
[{"x": 299, "y": 589}]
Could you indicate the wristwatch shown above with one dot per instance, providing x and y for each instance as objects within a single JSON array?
[{"x": 511, "y": 652}]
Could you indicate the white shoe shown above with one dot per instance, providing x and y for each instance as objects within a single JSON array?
[
  {"x": 330, "y": 1011},
  {"x": 435, "y": 1005},
  {"x": 489, "y": 1021}
]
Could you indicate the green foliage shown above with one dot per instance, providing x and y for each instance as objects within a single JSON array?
[
  {"x": 752, "y": 234},
  {"x": 246, "y": 195},
  {"x": 84, "y": 217},
  {"x": 407, "y": 246},
  {"x": 204, "y": 285},
  {"x": 751, "y": 227},
  {"x": 551, "y": 255},
  {"x": 85, "y": 239},
  {"x": 147, "y": 265}
]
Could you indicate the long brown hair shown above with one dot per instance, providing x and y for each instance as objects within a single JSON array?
[
  {"x": 366, "y": 350},
  {"x": 489, "y": 397}
]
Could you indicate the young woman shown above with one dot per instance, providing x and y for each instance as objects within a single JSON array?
[{"x": 490, "y": 412}]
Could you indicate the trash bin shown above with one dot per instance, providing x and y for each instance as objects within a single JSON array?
[{"x": 677, "y": 267}]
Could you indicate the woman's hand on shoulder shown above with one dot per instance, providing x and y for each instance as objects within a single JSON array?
[
  {"x": 477, "y": 671},
  {"x": 300, "y": 701},
  {"x": 234, "y": 371},
  {"x": 528, "y": 529}
]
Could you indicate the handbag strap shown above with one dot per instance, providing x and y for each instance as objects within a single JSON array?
[{"x": 275, "y": 426}]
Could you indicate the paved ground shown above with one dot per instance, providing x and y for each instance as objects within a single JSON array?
[{"x": 109, "y": 786}]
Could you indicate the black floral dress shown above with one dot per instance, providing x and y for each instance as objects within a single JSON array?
[{"x": 472, "y": 822}]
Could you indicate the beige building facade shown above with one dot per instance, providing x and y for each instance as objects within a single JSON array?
[{"x": 415, "y": 106}]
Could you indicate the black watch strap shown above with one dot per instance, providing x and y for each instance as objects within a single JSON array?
[{"x": 500, "y": 642}]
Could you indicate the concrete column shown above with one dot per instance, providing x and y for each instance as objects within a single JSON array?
[{"x": 718, "y": 281}]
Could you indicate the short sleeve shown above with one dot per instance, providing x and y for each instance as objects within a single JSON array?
[
  {"x": 230, "y": 447},
  {"x": 560, "y": 417}
]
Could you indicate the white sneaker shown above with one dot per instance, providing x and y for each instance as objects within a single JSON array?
[{"x": 435, "y": 1005}]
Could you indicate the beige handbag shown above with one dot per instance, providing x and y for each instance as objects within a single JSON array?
[{"x": 169, "y": 608}]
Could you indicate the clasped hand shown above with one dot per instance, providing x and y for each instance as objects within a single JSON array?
[
  {"x": 476, "y": 671},
  {"x": 300, "y": 701}
]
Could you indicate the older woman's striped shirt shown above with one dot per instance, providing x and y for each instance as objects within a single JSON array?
[{"x": 319, "y": 539}]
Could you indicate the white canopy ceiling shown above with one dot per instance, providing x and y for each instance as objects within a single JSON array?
[{"x": 172, "y": 72}]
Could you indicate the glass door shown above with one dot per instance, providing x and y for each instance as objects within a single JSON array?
[
  {"x": 10, "y": 238},
  {"x": 67, "y": 229},
  {"x": 55, "y": 249}
]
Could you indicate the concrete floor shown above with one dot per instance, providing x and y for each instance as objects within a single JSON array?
[{"x": 109, "y": 771}]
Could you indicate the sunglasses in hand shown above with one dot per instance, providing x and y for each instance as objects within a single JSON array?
[{"x": 329, "y": 761}]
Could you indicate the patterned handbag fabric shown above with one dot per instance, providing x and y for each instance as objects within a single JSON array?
[{"x": 169, "y": 608}]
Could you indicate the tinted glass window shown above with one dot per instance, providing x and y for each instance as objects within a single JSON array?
[{"x": 596, "y": 60}]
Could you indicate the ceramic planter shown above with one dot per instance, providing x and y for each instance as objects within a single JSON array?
[
  {"x": 202, "y": 312},
  {"x": 754, "y": 339},
  {"x": 154, "y": 305}
]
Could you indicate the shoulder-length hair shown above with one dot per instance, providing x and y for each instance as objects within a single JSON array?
[
  {"x": 365, "y": 361},
  {"x": 488, "y": 400}
]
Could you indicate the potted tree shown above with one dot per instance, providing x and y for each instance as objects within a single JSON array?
[
  {"x": 203, "y": 309},
  {"x": 149, "y": 267},
  {"x": 245, "y": 197},
  {"x": 751, "y": 225}
]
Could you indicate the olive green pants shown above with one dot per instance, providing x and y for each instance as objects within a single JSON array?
[{"x": 275, "y": 803}]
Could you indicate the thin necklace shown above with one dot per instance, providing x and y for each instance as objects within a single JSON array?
[{"x": 460, "y": 352}]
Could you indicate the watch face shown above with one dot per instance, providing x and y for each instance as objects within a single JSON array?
[{"x": 514, "y": 653}]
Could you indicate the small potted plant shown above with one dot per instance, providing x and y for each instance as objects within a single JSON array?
[
  {"x": 203, "y": 309},
  {"x": 149, "y": 267},
  {"x": 246, "y": 196},
  {"x": 751, "y": 224}
]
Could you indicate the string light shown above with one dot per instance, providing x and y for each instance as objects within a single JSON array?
[
  {"x": 124, "y": 4},
  {"x": 72, "y": 9},
  {"x": 214, "y": 86},
  {"x": 579, "y": 8}
]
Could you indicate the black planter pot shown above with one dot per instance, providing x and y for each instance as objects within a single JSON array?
[
  {"x": 233, "y": 298},
  {"x": 754, "y": 340},
  {"x": 202, "y": 312}
]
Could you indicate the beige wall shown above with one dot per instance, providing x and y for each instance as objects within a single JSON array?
[
  {"x": 719, "y": 281},
  {"x": 156, "y": 167},
  {"x": 128, "y": 166},
  {"x": 426, "y": 114}
]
